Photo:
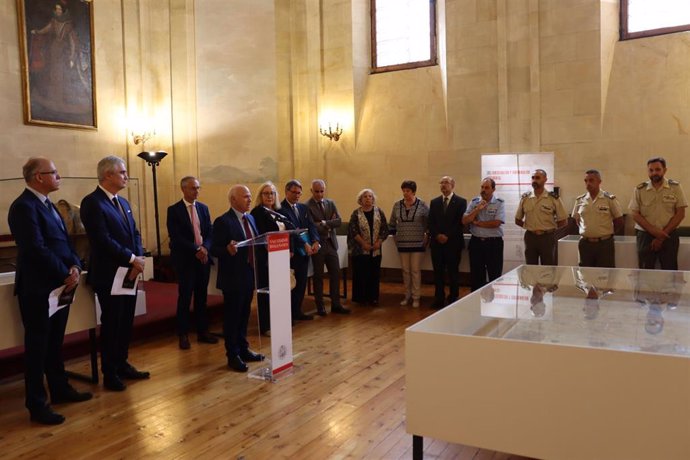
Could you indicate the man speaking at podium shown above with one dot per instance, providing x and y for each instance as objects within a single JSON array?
[{"x": 236, "y": 275}]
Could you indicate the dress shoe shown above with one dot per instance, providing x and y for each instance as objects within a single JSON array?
[
  {"x": 374, "y": 303},
  {"x": 46, "y": 416},
  {"x": 184, "y": 342},
  {"x": 235, "y": 363},
  {"x": 450, "y": 300},
  {"x": 415, "y": 303},
  {"x": 113, "y": 383},
  {"x": 304, "y": 317},
  {"x": 339, "y": 309},
  {"x": 207, "y": 337},
  {"x": 405, "y": 301},
  {"x": 266, "y": 333},
  {"x": 250, "y": 356},
  {"x": 321, "y": 311},
  {"x": 69, "y": 395},
  {"x": 130, "y": 372}
]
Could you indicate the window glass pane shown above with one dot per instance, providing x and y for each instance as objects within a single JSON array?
[
  {"x": 402, "y": 31},
  {"x": 657, "y": 14}
]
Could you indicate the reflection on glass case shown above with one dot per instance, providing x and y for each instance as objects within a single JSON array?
[
  {"x": 620, "y": 309},
  {"x": 67, "y": 200}
]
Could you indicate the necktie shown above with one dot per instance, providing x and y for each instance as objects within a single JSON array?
[
  {"x": 119, "y": 207},
  {"x": 55, "y": 214},
  {"x": 195, "y": 225},
  {"x": 294, "y": 208},
  {"x": 323, "y": 211},
  {"x": 445, "y": 203},
  {"x": 248, "y": 234}
]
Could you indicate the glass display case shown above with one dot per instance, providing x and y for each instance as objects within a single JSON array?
[{"x": 558, "y": 362}]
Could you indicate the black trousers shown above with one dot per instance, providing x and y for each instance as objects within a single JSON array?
[
  {"x": 328, "y": 256},
  {"x": 117, "y": 316},
  {"x": 366, "y": 275},
  {"x": 43, "y": 338},
  {"x": 540, "y": 248},
  {"x": 192, "y": 280},
  {"x": 597, "y": 253},
  {"x": 446, "y": 259},
  {"x": 236, "y": 308},
  {"x": 300, "y": 264},
  {"x": 667, "y": 256},
  {"x": 263, "y": 299},
  {"x": 486, "y": 260}
]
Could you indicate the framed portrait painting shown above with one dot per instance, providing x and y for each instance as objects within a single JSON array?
[{"x": 58, "y": 72}]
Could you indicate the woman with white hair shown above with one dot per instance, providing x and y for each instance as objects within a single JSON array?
[{"x": 367, "y": 231}]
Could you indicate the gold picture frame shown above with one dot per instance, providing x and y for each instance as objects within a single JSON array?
[{"x": 57, "y": 59}]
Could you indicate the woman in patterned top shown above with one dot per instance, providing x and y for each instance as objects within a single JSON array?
[{"x": 409, "y": 225}]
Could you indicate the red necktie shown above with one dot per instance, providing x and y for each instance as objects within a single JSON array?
[
  {"x": 248, "y": 233},
  {"x": 195, "y": 224}
]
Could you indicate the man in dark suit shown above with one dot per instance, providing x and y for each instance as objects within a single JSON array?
[
  {"x": 190, "y": 231},
  {"x": 114, "y": 242},
  {"x": 445, "y": 229},
  {"x": 236, "y": 275},
  {"x": 325, "y": 217},
  {"x": 301, "y": 246},
  {"x": 46, "y": 260}
]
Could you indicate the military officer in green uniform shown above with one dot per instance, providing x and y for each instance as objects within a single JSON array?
[
  {"x": 540, "y": 213},
  {"x": 658, "y": 207},
  {"x": 598, "y": 215}
]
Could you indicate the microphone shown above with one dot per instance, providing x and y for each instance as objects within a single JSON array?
[{"x": 278, "y": 216}]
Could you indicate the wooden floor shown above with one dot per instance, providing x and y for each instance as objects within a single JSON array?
[{"x": 346, "y": 399}]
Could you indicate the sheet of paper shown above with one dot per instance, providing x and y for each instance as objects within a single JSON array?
[
  {"x": 57, "y": 300},
  {"x": 122, "y": 285}
]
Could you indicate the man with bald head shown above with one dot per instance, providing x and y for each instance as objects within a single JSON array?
[
  {"x": 46, "y": 260},
  {"x": 236, "y": 275},
  {"x": 447, "y": 242}
]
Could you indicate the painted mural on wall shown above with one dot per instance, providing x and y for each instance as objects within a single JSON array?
[
  {"x": 266, "y": 169},
  {"x": 56, "y": 39}
]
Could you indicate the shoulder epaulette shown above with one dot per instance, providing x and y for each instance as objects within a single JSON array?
[
  {"x": 642, "y": 185},
  {"x": 581, "y": 196},
  {"x": 499, "y": 199},
  {"x": 553, "y": 194},
  {"x": 526, "y": 194},
  {"x": 610, "y": 195},
  {"x": 476, "y": 198},
  {"x": 673, "y": 182}
]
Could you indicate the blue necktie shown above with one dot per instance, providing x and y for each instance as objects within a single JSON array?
[{"x": 54, "y": 212}]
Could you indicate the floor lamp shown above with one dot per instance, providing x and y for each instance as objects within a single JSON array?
[{"x": 154, "y": 159}]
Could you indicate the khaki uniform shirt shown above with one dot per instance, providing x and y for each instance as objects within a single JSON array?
[
  {"x": 547, "y": 276},
  {"x": 657, "y": 206},
  {"x": 595, "y": 217},
  {"x": 540, "y": 212}
]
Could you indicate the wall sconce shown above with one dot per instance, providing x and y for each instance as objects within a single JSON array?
[
  {"x": 332, "y": 134},
  {"x": 142, "y": 137}
]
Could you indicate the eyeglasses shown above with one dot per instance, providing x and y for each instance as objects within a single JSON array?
[
  {"x": 54, "y": 172},
  {"x": 267, "y": 193},
  {"x": 295, "y": 192}
]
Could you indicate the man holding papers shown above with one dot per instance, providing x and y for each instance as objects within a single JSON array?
[
  {"x": 115, "y": 247},
  {"x": 46, "y": 261}
]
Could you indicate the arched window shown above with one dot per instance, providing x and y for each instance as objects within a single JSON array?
[
  {"x": 403, "y": 34},
  {"x": 645, "y": 18}
]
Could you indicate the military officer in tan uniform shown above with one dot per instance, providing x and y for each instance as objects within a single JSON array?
[
  {"x": 540, "y": 213},
  {"x": 598, "y": 215},
  {"x": 658, "y": 207}
]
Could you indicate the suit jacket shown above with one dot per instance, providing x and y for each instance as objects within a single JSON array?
[
  {"x": 301, "y": 221},
  {"x": 182, "y": 246},
  {"x": 329, "y": 214},
  {"x": 45, "y": 254},
  {"x": 112, "y": 240},
  {"x": 448, "y": 222},
  {"x": 234, "y": 272}
]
